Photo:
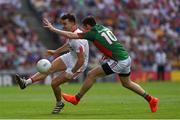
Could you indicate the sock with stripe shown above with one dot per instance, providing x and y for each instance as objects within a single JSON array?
[{"x": 147, "y": 97}]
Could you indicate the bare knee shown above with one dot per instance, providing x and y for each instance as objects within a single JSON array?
[{"x": 125, "y": 82}]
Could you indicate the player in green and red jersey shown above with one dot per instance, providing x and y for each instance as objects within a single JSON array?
[{"x": 118, "y": 62}]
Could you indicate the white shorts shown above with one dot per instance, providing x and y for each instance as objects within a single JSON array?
[
  {"x": 70, "y": 61},
  {"x": 120, "y": 67}
]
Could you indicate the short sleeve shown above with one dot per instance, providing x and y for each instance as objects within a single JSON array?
[{"x": 87, "y": 35}]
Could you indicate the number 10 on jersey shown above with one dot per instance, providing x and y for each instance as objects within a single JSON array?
[{"x": 109, "y": 36}]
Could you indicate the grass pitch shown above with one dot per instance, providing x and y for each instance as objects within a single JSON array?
[{"x": 103, "y": 101}]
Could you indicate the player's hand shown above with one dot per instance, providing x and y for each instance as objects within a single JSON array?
[
  {"x": 50, "y": 52},
  {"x": 47, "y": 24}
]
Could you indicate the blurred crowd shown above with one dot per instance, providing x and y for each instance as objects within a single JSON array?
[
  {"x": 19, "y": 44},
  {"x": 145, "y": 27}
]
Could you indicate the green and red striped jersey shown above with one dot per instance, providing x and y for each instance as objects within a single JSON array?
[{"x": 106, "y": 42}]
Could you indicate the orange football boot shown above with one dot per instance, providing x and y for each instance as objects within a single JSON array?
[
  {"x": 70, "y": 98},
  {"x": 153, "y": 104}
]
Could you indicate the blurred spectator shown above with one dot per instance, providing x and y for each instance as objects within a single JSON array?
[
  {"x": 161, "y": 64},
  {"x": 143, "y": 26},
  {"x": 17, "y": 41}
]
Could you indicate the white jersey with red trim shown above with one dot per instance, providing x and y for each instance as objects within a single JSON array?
[{"x": 77, "y": 46}]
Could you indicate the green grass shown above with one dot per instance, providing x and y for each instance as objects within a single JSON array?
[{"x": 103, "y": 101}]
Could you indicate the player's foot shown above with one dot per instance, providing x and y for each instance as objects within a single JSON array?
[
  {"x": 59, "y": 106},
  {"x": 153, "y": 103},
  {"x": 70, "y": 98},
  {"x": 21, "y": 82}
]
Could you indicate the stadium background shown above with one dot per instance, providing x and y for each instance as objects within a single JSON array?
[{"x": 144, "y": 26}]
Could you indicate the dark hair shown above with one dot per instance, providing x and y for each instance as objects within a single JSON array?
[
  {"x": 69, "y": 16},
  {"x": 89, "y": 20}
]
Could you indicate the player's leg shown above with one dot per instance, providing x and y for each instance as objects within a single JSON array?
[
  {"x": 56, "y": 82},
  {"x": 126, "y": 82},
  {"x": 57, "y": 91},
  {"x": 90, "y": 79},
  {"x": 87, "y": 84},
  {"x": 57, "y": 65},
  {"x": 123, "y": 69},
  {"x": 69, "y": 61}
]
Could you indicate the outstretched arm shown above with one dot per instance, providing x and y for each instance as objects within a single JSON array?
[{"x": 67, "y": 34}]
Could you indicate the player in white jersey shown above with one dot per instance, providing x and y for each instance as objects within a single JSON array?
[
  {"x": 71, "y": 63},
  {"x": 76, "y": 47}
]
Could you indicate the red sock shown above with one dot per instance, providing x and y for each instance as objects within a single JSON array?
[
  {"x": 77, "y": 98},
  {"x": 148, "y": 98}
]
